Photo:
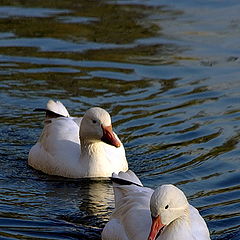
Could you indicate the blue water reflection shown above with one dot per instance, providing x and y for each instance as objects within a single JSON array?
[{"x": 167, "y": 71}]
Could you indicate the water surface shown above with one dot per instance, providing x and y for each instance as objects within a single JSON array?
[{"x": 167, "y": 71}]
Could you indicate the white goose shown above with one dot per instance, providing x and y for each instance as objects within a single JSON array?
[
  {"x": 77, "y": 147},
  {"x": 141, "y": 213}
]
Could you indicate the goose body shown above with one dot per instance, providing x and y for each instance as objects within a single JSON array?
[
  {"x": 143, "y": 214},
  {"x": 77, "y": 147}
]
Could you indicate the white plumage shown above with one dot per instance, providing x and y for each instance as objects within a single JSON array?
[
  {"x": 78, "y": 147},
  {"x": 141, "y": 213}
]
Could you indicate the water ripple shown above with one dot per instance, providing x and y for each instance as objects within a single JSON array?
[{"x": 170, "y": 82}]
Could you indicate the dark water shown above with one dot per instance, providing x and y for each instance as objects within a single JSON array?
[{"x": 169, "y": 74}]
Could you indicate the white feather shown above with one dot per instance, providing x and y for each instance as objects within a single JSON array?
[
  {"x": 57, "y": 107},
  {"x": 131, "y": 218},
  {"x": 59, "y": 150}
]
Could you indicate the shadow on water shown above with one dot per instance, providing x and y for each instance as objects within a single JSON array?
[{"x": 55, "y": 208}]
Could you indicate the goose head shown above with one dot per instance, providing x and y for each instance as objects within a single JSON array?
[
  {"x": 96, "y": 126},
  {"x": 167, "y": 204}
]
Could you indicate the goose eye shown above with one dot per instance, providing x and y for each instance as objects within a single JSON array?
[
  {"x": 166, "y": 207},
  {"x": 94, "y": 121}
]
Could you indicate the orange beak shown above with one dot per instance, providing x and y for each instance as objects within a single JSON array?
[
  {"x": 156, "y": 228},
  {"x": 109, "y": 137}
]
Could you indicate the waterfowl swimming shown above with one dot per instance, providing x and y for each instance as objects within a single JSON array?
[
  {"x": 144, "y": 214},
  {"x": 77, "y": 147}
]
